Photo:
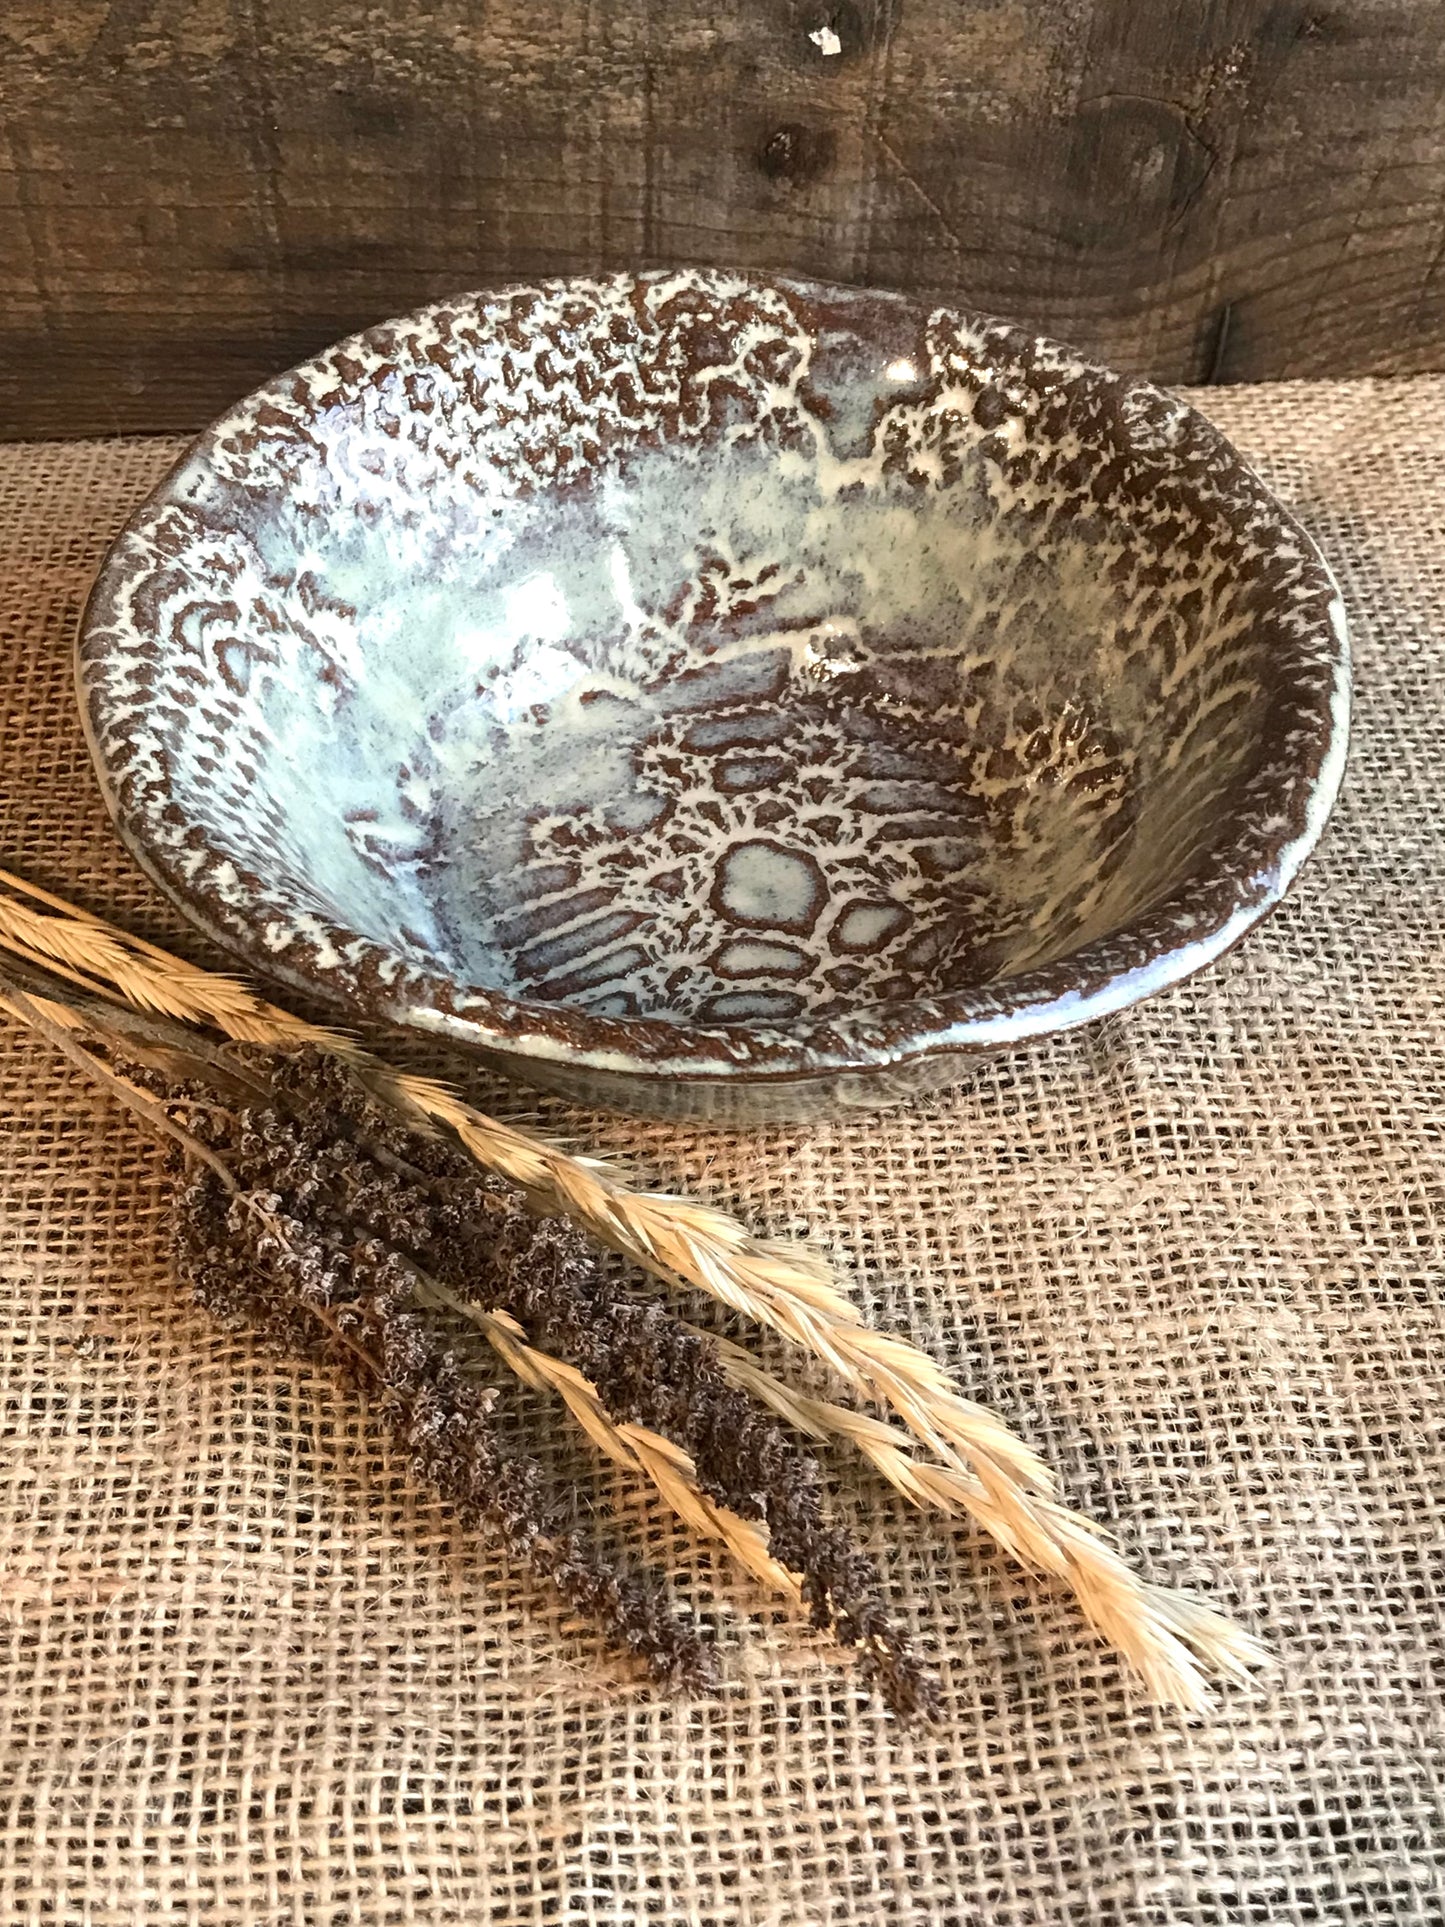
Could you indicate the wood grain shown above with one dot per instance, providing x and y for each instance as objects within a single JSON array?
[{"x": 194, "y": 193}]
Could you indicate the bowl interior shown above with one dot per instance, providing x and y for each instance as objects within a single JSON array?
[{"x": 695, "y": 653}]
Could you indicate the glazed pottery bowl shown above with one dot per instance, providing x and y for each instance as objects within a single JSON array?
[{"x": 716, "y": 696}]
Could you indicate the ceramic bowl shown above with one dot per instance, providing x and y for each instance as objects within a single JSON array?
[{"x": 713, "y": 695}]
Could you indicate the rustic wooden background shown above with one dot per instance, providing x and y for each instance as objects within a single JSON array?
[{"x": 195, "y": 193}]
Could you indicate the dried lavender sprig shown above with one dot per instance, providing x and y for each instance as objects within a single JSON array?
[
  {"x": 642, "y": 1364},
  {"x": 443, "y": 1422},
  {"x": 656, "y": 1458},
  {"x": 786, "y": 1286},
  {"x": 649, "y": 1369},
  {"x": 155, "y": 982},
  {"x": 271, "y": 1271},
  {"x": 637, "y": 1362},
  {"x": 657, "y": 1374}
]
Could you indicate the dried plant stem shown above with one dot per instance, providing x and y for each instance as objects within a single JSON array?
[
  {"x": 1172, "y": 1641},
  {"x": 97, "y": 954},
  {"x": 444, "y": 1423},
  {"x": 787, "y": 1287},
  {"x": 637, "y": 1448},
  {"x": 983, "y": 1468},
  {"x": 59, "y": 1027}
]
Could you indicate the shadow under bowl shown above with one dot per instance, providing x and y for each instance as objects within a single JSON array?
[{"x": 714, "y": 695}]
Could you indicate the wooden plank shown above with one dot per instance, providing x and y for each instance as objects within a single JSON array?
[{"x": 195, "y": 192}]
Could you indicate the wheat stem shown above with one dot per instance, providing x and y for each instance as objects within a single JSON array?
[
  {"x": 60, "y": 1026},
  {"x": 148, "y": 977},
  {"x": 640, "y": 1450},
  {"x": 982, "y": 1468},
  {"x": 787, "y": 1287},
  {"x": 1172, "y": 1641}
]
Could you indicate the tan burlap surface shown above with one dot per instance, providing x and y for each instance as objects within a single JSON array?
[{"x": 250, "y": 1673}]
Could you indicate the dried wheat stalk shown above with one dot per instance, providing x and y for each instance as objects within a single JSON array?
[
  {"x": 984, "y": 1468},
  {"x": 1172, "y": 1641},
  {"x": 100, "y": 958},
  {"x": 646, "y": 1452},
  {"x": 785, "y": 1286}
]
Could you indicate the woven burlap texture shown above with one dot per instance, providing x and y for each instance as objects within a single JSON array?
[{"x": 250, "y": 1672}]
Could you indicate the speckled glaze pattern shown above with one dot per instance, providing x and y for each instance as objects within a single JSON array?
[{"x": 714, "y": 695}]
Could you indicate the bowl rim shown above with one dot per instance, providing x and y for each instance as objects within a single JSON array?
[{"x": 1236, "y": 884}]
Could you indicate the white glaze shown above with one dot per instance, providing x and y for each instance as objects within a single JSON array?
[{"x": 542, "y": 614}]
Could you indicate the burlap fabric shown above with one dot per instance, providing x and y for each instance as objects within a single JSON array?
[{"x": 250, "y": 1673}]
